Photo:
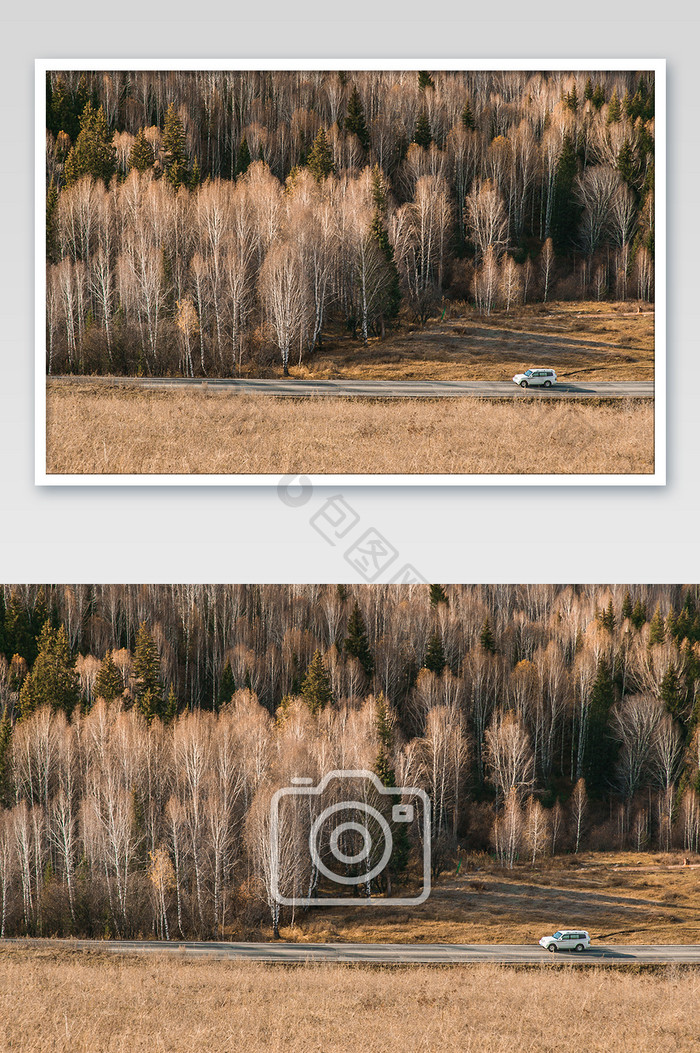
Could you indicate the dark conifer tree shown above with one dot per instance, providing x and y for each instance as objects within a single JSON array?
[
  {"x": 320, "y": 160},
  {"x": 438, "y": 595},
  {"x": 434, "y": 659},
  {"x": 467, "y": 115},
  {"x": 598, "y": 97},
  {"x": 614, "y": 109},
  {"x": 19, "y": 636},
  {"x": 170, "y": 711},
  {"x": 149, "y": 687},
  {"x": 316, "y": 688},
  {"x": 243, "y": 157},
  {"x": 357, "y": 642},
  {"x": 639, "y": 614},
  {"x": 108, "y": 682},
  {"x": 355, "y": 119},
  {"x": 486, "y": 638},
  {"x": 53, "y": 680},
  {"x": 5, "y": 743},
  {"x": 425, "y": 80},
  {"x": 627, "y": 606},
  {"x": 422, "y": 134},
  {"x": 670, "y": 691},
  {"x": 227, "y": 687},
  {"x": 657, "y": 629},
  {"x": 566, "y": 210},
  {"x": 93, "y": 153},
  {"x": 51, "y": 202},
  {"x": 588, "y": 90},
  {"x": 601, "y": 748},
  {"x": 175, "y": 147},
  {"x": 141, "y": 156}
]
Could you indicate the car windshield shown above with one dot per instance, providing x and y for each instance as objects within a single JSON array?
[
  {"x": 557, "y": 936},
  {"x": 528, "y": 373}
]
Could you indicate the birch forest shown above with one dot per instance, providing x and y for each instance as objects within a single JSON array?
[
  {"x": 225, "y": 223},
  {"x": 144, "y": 730}
]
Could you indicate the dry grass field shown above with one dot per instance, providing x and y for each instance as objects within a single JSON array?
[
  {"x": 581, "y": 341},
  {"x": 97, "y": 430},
  {"x": 71, "y": 1002},
  {"x": 618, "y": 897}
]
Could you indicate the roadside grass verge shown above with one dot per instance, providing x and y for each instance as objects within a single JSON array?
[{"x": 93, "y": 430}]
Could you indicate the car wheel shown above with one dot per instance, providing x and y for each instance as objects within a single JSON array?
[
  {"x": 523, "y": 383},
  {"x": 552, "y": 948},
  {"x": 579, "y": 947},
  {"x": 548, "y": 383}
]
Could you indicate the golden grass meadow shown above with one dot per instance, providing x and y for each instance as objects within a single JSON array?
[
  {"x": 75, "y": 1002},
  {"x": 96, "y": 430}
]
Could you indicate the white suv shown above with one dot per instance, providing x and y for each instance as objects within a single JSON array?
[
  {"x": 567, "y": 940},
  {"x": 536, "y": 377}
]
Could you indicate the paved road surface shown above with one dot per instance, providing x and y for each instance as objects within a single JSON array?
[
  {"x": 390, "y": 388},
  {"x": 389, "y": 953}
]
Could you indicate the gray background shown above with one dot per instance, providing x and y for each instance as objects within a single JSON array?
[{"x": 448, "y": 534}]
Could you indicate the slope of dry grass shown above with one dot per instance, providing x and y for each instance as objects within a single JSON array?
[
  {"x": 581, "y": 341},
  {"x": 72, "y": 1003},
  {"x": 618, "y": 897},
  {"x": 93, "y": 430}
]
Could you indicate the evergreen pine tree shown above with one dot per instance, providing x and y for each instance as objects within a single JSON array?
[
  {"x": 316, "y": 688},
  {"x": 435, "y": 655},
  {"x": 108, "y": 682},
  {"x": 141, "y": 156},
  {"x": 53, "y": 680},
  {"x": 320, "y": 159},
  {"x": 384, "y": 769},
  {"x": 598, "y": 97},
  {"x": 627, "y": 165},
  {"x": 438, "y": 595},
  {"x": 5, "y": 742},
  {"x": 149, "y": 688},
  {"x": 51, "y": 202},
  {"x": 614, "y": 109},
  {"x": 486, "y": 638},
  {"x": 227, "y": 687},
  {"x": 195, "y": 175},
  {"x": 566, "y": 210},
  {"x": 588, "y": 90},
  {"x": 62, "y": 117},
  {"x": 657, "y": 629},
  {"x": 243, "y": 157},
  {"x": 601, "y": 748},
  {"x": 639, "y": 614},
  {"x": 93, "y": 153},
  {"x": 467, "y": 115},
  {"x": 19, "y": 636},
  {"x": 355, "y": 119},
  {"x": 170, "y": 711},
  {"x": 422, "y": 133},
  {"x": 627, "y": 606},
  {"x": 572, "y": 98},
  {"x": 175, "y": 147},
  {"x": 357, "y": 643},
  {"x": 425, "y": 80},
  {"x": 670, "y": 691}
]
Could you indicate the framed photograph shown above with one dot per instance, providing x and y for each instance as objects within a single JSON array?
[{"x": 377, "y": 272}]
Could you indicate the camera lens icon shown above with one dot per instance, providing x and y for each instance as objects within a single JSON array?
[
  {"x": 335, "y": 844},
  {"x": 347, "y": 821}
]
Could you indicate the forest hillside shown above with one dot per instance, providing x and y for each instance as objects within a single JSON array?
[
  {"x": 144, "y": 729},
  {"x": 204, "y": 223}
]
